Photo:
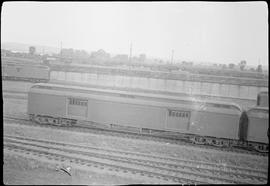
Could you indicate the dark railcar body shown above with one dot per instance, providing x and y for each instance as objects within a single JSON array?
[
  {"x": 262, "y": 99},
  {"x": 216, "y": 119},
  {"x": 25, "y": 72},
  {"x": 258, "y": 124}
]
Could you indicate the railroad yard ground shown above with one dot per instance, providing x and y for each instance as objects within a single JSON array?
[
  {"x": 39, "y": 155},
  {"x": 25, "y": 171}
]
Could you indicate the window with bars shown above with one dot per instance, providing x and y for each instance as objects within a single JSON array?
[
  {"x": 76, "y": 101},
  {"x": 18, "y": 69},
  {"x": 178, "y": 113}
]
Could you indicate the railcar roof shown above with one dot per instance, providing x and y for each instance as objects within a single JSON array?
[
  {"x": 263, "y": 92},
  {"x": 74, "y": 88},
  {"x": 258, "y": 108},
  {"x": 27, "y": 65}
]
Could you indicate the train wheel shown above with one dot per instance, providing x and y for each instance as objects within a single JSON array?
[
  {"x": 31, "y": 117},
  {"x": 261, "y": 148},
  {"x": 67, "y": 122},
  {"x": 73, "y": 122},
  {"x": 217, "y": 143},
  {"x": 41, "y": 120},
  {"x": 54, "y": 121},
  {"x": 199, "y": 140},
  {"x": 224, "y": 143}
]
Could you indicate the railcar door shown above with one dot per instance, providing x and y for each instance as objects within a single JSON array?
[
  {"x": 178, "y": 120},
  {"x": 77, "y": 107}
]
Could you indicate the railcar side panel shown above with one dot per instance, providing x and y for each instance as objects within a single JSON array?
[
  {"x": 178, "y": 120},
  {"x": 44, "y": 104},
  {"x": 258, "y": 125},
  {"x": 214, "y": 124},
  {"x": 215, "y": 120},
  {"x": 262, "y": 99},
  {"x": 126, "y": 114},
  {"x": 77, "y": 107}
]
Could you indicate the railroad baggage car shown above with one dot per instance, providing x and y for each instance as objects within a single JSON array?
[{"x": 135, "y": 109}]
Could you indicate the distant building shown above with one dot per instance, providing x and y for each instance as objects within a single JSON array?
[
  {"x": 120, "y": 58},
  {"x": 100, "y": 55},
  {"x": 67, "y": 53},
  {"x": 32, "y": 50},
  {"x": 135, "y": 59},
  {"x": 81, "y": 54},
  {"x": 142, "y": 57},
  {"x": 187, "y": 63},
  {"x": 231, "y": 66},
  {"x": 5, "y": 53}
]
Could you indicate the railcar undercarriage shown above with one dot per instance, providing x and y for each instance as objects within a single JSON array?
[
  {"x": 227, "y": 143},
  {"x": 195, "y": 139},
  {"x": 52, "y": 121}
]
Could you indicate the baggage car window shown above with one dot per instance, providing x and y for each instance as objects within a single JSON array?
[
  {"x": 178, "y": 113},
  {"x": 178, "y": 119},
  {"x": 79, "y": 102},
  {"x": 77, "y": 107},
  {"x": 18, "y": 69}
]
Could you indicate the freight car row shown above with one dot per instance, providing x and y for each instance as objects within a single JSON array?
[
  {"x": 183, "y": 75},
  {"x": 204, "y": 122},
  {"x": 39, "y": 72}
]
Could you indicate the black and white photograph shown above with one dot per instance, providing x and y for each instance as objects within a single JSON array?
[{"x": 124, "y": 93}]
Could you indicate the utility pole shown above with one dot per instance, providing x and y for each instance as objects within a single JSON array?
[
  {"x": 172, "y": 57},
  {"x": 130, "y": 52},
  {"x": 61, "y": 49}
]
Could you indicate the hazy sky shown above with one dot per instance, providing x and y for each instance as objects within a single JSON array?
[{"x": 199, "y": 31}]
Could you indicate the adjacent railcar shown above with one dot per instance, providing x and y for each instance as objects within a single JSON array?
[
  {"x": 25, "y": 72},
  {"x": 262, "y": 99},
  {"x": 64, "y": 105},
  {"x": 258, "y": 122},
  {"x": 258, "y": 118}
]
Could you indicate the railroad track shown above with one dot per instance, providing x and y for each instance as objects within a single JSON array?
[
  {"x": 131, "y": 135},
  {"x": 182, "y": 171},
  {"x": 64, "y": 155}
]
